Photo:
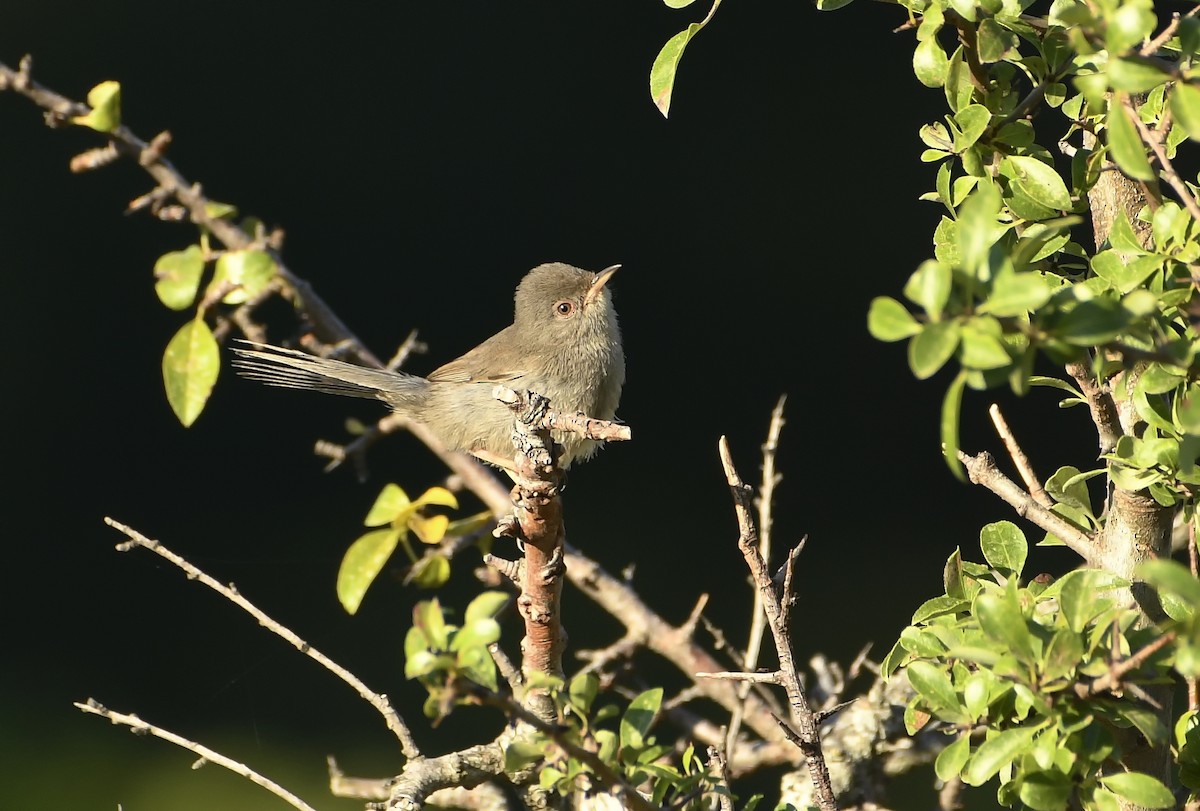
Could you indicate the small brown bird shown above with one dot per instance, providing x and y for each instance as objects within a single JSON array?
[{"x": 564, "y": 343}]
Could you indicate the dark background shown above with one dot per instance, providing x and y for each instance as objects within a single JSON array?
[{"x": 421, "y": 159}]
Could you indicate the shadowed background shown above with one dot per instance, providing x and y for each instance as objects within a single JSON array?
[{"x": 421, "y": 160}]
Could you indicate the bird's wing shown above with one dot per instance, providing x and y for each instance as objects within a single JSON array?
[{"x": 490, "y": 362}]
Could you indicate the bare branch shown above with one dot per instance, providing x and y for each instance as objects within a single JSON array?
[
  {"x": 1100, "y": 402},
  {"x": 377, "y": 700},
  {"x": 1019, "y": 458},
  {"x": 808, "y": 738},
  {"x": 140, "y": 727},
  {"x": 774, "y": 677},
  {"x": 982, "y": 470}
]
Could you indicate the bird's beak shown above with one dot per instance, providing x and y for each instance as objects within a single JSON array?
[{"x": 597, "y": 286}]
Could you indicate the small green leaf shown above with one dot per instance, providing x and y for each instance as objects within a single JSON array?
[
  {"x": 391, "y": 503},
  {"x": 190, "y": 367},
  {"x": 1040, "y": 181},
  {"x": 1002, "y": 620},
  {"x": 248, "y": 271},
  {"x": 480, "y": 633},
  {"x": 950, "y": 761},
  {"x": 1141, "y": 789},
  {"x": 362, "y": 563},
  {"x": 1045, "y": 791},
  {"x": 994, "y": 754},
  {"x": 1170, "y": 575},
  {"x": 487, "y": 605},
  {"x": 930, "y": 63},
  {"x": 430, "y": 572},
  {"x": 105, "y": 101},
  {"x": 439, "y": 496},
  {"x": 951, "y": 416},
  {"x": 638, "y": 717},
  {"x": 1004, "y": 546},
  {"x": 177, "y": 277},
  {"x": 1124, "y": 142},
  {"x": 932, "y": 347},
  {"x": 934, "y": 686},
  {"x": 583, "y": 690},
  {"x": 972, "y": 121},
  {"x": 420, "y": 664},
  {"x": 1134, "y": 74},
  {"x": 1092, "y": 322},
  {"x": 662, "y": 72},
  {"x": 1185, "y": 107},
  {"x": 523, "y": 752},
  {"x": 1016, "y": 293},
  {"x": 888, "y": 320},
  {"x": 427, "y": 615},
  {"x": 929, "y": 286}
]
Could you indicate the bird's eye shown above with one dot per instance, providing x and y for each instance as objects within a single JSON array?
[{"x": 564, "y": 309}]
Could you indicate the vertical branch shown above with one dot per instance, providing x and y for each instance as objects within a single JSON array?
[
  {"x": 766, "y": 497},
  {"x": 807, "y": 738}
]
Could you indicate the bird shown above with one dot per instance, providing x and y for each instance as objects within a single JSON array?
[{"x": 564, "y": 343}]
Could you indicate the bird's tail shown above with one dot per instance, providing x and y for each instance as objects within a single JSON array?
[{"x": 290, "y": 369}]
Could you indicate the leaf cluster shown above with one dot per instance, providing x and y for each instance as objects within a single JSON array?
[{"x": 1015, "y": 673}]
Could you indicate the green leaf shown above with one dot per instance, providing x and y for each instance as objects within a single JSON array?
[
  {"x": 190, "y": 367},
  {"x": 930, "y": 63},
  {"x": 934, "y": 686},
  {"x": 421, "y": 663},
  {"x": 1001, "y": 619},
  {"x": 1040, "y": 181},
  {"x": 1124, "y": 142},
  {"x": 583, "y": 690},
  {"x": 888, "y": 320},
  {"x": 430, "y": 572},
  {"x": 105, "y": 101},
  {"x": 249, "y": 271},
  {"x": 662, "y": 72},
  {"x": 487, "y": 605},
  {"x": 932, "y": 347},
  {"x": 1016, "y": 293},
  {"x": 995, "y": 753},
  {"x": 972, "y": 121},
  {"x": 1045, "y": 791},
  {"x": 638, "y": 717},
  {"x": 993, "y": 41},
  {"x": 1170, "y": 575},
  {"x": 951, "y": 416},
  {"x": 523, "y": 752},
  {"x": 1004, "y": 546},
  {"x": 362, "y": 563},
  {"x": 391, "y": 503},
  {"x": 480, "y": 633},
  {"x": 936, "y": 607},
  {"x": 1185, "y": 108},
  {"x": 1134, "y": 74},
  {"x": 427, "y": 615},
  {"x": 1141, "y": 789},
  {"x": 1084, "y": 594},
  {"x": 1092, "y": 322},
  {"x": 929, "y": 286},
  {"x": 982, "y": 349},
  {"x": 950, "y": 761},
  {"x": 177, "y": 277},
  {"x": 439, "y": 496}
]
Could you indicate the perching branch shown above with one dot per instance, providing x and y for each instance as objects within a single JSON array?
[
  {"x": 379, "y": 701},
  {"x": 1036, "y": 491}
]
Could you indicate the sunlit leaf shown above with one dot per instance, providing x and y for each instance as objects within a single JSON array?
[
  {"x": 105, "y": 101},
  {"x": 362, "y": 563},
  {"x": 177, "y": 277},
  {"x": 190, "y": 367}
]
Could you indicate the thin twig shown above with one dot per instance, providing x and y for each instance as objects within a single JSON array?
[
  {"x": 140, "y": 727},
  {"x": 1019, "y": 458},
  {"x": 379, "y": 701},
  {"x": 808, "y": 739},
  {"x": 774, "y": 677},
  {"x": 1101, "y": 404},
  {"x": 766, "y": 522}
]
